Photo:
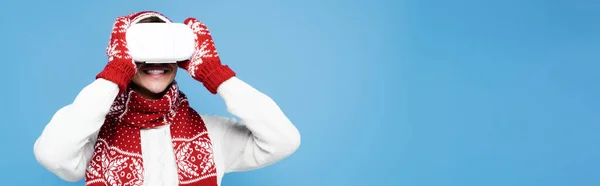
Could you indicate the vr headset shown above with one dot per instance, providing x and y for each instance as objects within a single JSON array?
[{"x": 160, "y": 42}]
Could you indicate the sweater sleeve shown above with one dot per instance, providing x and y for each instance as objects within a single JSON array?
[
  {"x": 66, "y": 144},
  {"x": 262, "y": 136}
]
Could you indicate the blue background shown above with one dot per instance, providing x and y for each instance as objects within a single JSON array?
[{"x": 419, "y": 93}]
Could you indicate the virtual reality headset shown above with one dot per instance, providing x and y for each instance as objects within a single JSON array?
[{"x": 160, "y": 42}]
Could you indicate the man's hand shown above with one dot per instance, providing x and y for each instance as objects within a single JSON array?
[
  {"x": 205, "y": 65},
  {"x": 120, "y": 68}
]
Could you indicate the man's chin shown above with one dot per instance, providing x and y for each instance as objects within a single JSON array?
[
  {"x": 151, "y": 90},
  {"x": 156, "y": 89}
]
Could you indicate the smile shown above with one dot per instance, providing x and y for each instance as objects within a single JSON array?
[{"x": 155, "y": 72}]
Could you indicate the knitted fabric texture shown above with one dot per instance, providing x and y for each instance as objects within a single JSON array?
[
  {"x": 205, "y": 64},
  {"x": 121, "y": 66},
  {"x": 117, "y": 158}
]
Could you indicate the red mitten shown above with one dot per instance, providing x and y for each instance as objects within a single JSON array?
[
  {"x": 121, "y": 67},
  {"x": 205, "y": 65}
]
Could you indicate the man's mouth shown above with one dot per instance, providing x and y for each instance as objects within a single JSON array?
[
  {"x": 155, "y": 69},
  {"x": 155, "y": 72}
]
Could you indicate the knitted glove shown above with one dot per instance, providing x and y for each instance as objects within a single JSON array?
[
  {"x": 205, "y": 65},
  {"x": 120, "y": 68}
]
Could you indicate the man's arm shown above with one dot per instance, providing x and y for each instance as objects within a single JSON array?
[
  {"x": 67, "y": 142},
  {"x": 263, "y": 135}
]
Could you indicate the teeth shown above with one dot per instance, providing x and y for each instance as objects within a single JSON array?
[{"x": 155, "y": 71}]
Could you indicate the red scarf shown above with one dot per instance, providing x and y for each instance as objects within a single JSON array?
[{"x": 117, "y": 159}]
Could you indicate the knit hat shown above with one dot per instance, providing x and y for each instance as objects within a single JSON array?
[{"x": 138, "y": 16}]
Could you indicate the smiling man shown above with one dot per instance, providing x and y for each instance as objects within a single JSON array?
[{"x": 132, "y": 126}]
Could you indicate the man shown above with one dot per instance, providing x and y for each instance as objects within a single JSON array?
[{"x": 132, "y": 126}]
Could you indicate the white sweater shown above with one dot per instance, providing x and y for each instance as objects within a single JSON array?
[{"x": 262, "y": 136}]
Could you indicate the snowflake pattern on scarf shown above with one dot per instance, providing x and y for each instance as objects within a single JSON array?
[{"x": 117, "y": 159}]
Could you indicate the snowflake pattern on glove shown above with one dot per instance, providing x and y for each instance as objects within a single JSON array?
[
  {"x": 117, "y": 46},
  {"x": 205, "y": 46}
]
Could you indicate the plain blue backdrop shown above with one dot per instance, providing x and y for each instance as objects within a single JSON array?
[{"x": 405, "y": 92}]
